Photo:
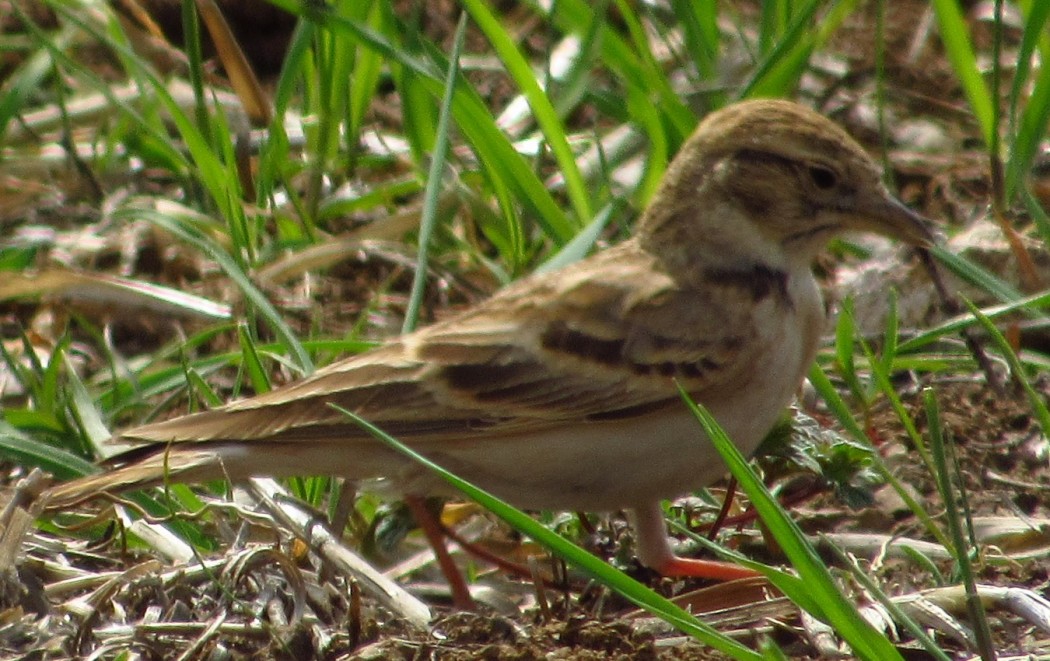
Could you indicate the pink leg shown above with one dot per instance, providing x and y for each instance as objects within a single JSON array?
[{"x": 654, "y": 550}]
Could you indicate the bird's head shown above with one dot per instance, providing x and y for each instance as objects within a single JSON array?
[{"x": 791, "y": 172}]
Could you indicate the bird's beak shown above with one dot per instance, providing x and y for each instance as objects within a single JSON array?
[{"x": 888, "y": 216}]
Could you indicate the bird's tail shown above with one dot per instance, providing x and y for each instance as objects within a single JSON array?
[
  {"x": 232, "y": 460},
  {"x": 177, "y": 465}
]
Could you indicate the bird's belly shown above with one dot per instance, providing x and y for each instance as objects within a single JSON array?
[{"x": 594, "y": 467}]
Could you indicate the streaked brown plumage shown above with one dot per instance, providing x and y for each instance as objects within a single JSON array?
[{"x": 559, "y": 391}]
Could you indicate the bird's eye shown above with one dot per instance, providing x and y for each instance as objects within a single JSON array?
[{"x": 822, "y": 177}]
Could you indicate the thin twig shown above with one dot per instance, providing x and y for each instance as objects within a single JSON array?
[{"x": 951, "y": 307}]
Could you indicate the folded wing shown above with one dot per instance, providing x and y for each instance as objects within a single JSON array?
[{"x": 540, "y": 353}]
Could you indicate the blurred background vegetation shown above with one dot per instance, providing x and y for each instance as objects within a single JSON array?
[{"x": 202, "y": 201}]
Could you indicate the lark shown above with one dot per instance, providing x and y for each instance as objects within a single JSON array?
[{"x": 559, "y": 392}]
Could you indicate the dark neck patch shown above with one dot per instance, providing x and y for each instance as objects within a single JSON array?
[{"x": 759, "y": 281}]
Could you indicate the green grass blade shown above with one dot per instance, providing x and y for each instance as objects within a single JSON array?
[
  {"x": 1040, "y": 218},
  {"x": 782, "y": 66},
  {"x": 845, "y": 331},
  {"x": 622, "y": 58},
  {"x": 292, "y": 346},
  {"x": 581, "y": 245},
  {"x": 85, "y": 411},
  {"x": 841, "y": 411},
  {"x": 865, "y": 641},
  {"x": 30, "y": 74},
  {"x": 1032, "y": 126},
  {"x": 212, "y": 172},
  {"x": 959, "y": 48},
  {"x": 835, "y": 608},
  {"x": 1031, "y": 304},
  {"x": 699, "y": 21},
  {"x": 885, "y": 385},
  {"x": 653, "y": 74},
  {"x": 836, "y": 404},
  {"x": 547, "y": 118},
  {"x": 949, "y": 489},
  {"x": 434, "y": 183},
  {"x": 201, "y": 389},
  {"x": 149, "y": 128},
  {"x": 1037, "y": 401},
  {"x": 498, "y": 156},
  {"x": 648, "y": 118},
  {"x": 28, "y": 450},
  {"x": 1034, "y": 23},
  {"x": 976, "y": 275},
  {"x": 251, "y": 363},
  {"x": 900, "y": 617},
  {"x": 364, "y": 81}
]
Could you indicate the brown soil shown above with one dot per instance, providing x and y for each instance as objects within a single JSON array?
[{"x": 1000, "y": 455}]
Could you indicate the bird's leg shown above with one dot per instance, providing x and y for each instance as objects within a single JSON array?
[
  {"x": 461, "y": 598},
  {"x": 654, "y": 549}
]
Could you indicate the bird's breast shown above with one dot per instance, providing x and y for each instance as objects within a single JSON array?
[{"x": 788, "y": 337}]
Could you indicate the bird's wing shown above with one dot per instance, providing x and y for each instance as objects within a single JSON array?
[{"x": 601, "y": 340}]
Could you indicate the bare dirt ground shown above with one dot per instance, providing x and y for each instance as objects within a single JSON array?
[{"x": 95, "y": 594}]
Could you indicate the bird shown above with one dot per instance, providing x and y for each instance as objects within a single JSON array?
[{"x": 561, "y": 390}]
